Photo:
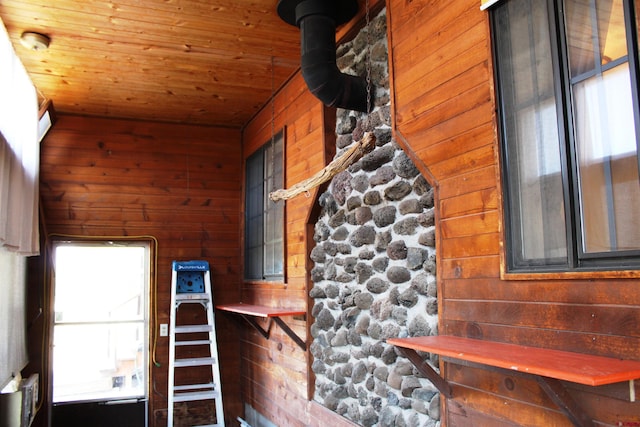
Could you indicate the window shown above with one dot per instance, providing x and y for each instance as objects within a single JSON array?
[
  {"x": 100, "y": 339},
  {"x": 264, "y": 219},
  {"x": 567, "y": 74}
]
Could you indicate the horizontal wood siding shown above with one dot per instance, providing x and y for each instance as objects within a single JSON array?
[
  {"x": 180, "y": 184},
  {"x": 443, "y": 114}
]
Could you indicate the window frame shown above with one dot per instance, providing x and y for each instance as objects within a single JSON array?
[
  {"x": 577, "y": 262},
  {"x": 149, "y": 246},
  {"x": 267, "y": 206}
]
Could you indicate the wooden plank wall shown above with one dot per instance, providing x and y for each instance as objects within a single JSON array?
[
  {"x": 180, "y": 184},
  {"x": 443, "y": 112},
  {"x": 275, "y": 372}
]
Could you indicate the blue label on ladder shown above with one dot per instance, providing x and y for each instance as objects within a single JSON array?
[
  {"x": 190, "y": 266},
  {"x": 190, "y": 276}
]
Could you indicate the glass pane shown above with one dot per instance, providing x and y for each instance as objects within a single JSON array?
[
  {"x": 274, "y": 211},
  {"x": 596, "y": 34},
  {"x": 99, "y": 336},
  {"x": 99, "y": 283},
  {"x": 608, "y": 162},
  {"x": 534, "y": 174},
  {"x": 98, "y": 362}
]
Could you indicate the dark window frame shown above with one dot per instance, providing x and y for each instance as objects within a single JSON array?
[
  {"x": 264, "y": 220},
  {"x": 576, "y": 259}
]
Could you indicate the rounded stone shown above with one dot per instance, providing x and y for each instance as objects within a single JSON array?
[
  {"x": 363, "y": 300},
  {"x": 343, "y": 141},
  {"x": 340, "y": 234},
  {"x": 321, "y": 232},
  {"x": 434, "y": 408},
  {"x": 420, "y": 283},
  {"x": 317, "y": 274},
  {"x": 397, "y": 250},
  {"x": 420, "y": 185},
  {"x": 415, "y": 258},
  {"x": 349, "y": 264},
  {"x": 432, "y": 307},
  {"x": 410, "y": 206},
  {"x": 377, "y": 285},
  {"x": 409, "y": 384},
  {"x": 382, "y": 176},
  {"x": 341, "y": 186},
  {"x": 318, "y": 254},
  {"x": 418, "y": 327},
  {"x": 427, "y": 199},
  {"x": 427, "y": 219},
  {"x": 317, "y": 292},
  {"x": 381, "y": 373},
  {"x": 369, "y": 417},
  {"x": 366, "y": 254},
  {"x": 337, "y": 219},
  {"x": 363, "y": 215},
  {"x": 382, "y": 240},
  {"x": 325, "y": 319},
  {"x": 372, "y": 198},
  {"x": 389, "y": 355},
  {"x": 428, "y": 239},
  {"x": 407, "y": 226},
  {"x": 404, "y": 167},
  {"x": 397, "y": 274},
  {"x": 353, "y": 202},
  {"x": 360, "y": 183},
  {"x": 359, "y": 373},
  {"x": 380, "y": 264},
  {"x": 363, "y": 272},
  {"x": 397, "y": 191},
  {"x": 363, "y": 235},
  {"x": 330, "y": 248},
  {"x": 384, "y": 216},
  {"x": 377, "y": 158}
]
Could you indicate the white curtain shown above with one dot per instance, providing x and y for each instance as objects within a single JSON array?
[
  {"x": 13, "y": 346},
  {"x": 19, "y": 237},
  {"x": 19, "y": 154}
]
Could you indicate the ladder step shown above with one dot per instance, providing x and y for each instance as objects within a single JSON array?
[
  {"x": 194, "y": 342},
  {"x": 198, "y": 361},
  {"x": 196, "y": 297},
  {"x": 186, "y": 329},
  {"x": 198, "y": 395},
  {"x": 211, "y": 386}
]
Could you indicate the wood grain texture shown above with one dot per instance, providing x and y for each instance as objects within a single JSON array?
[
  {"x": 102, "y": 177},
  {"x": 444, "y": 113}
]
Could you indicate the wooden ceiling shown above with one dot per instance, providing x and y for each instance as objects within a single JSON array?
[{"x": 211, "y": 62}]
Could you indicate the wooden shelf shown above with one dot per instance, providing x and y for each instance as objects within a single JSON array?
[
  {"x": 547, "y": 366},
  {"x": 249, "y": 312}
]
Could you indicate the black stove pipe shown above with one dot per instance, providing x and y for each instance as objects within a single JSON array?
[{"x": 317, "y": 20}]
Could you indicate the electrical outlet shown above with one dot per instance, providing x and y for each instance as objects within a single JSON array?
[{"x": 164, "y": 329}]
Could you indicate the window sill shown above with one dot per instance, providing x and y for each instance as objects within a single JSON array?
[
  {"x": 570, "y": 275},
  {"x": 266, "y": 284}
]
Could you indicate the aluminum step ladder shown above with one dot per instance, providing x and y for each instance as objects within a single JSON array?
[{"x": 191, "y": 284}]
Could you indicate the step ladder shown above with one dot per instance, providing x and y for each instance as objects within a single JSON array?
[{"x": 191, "y": 284}]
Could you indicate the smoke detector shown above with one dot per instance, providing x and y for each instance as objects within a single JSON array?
[{"x": 34, "y": 41}]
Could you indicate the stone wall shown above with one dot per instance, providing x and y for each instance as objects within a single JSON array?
[{"x": 374, "y": 271}]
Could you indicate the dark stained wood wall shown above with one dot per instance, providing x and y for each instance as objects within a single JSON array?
[
  {"x": 443, "y": 112},
  {"x": 180, "y": 184}
]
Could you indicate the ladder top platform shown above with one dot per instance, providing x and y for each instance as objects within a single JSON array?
[
  {"x": 259, "y": 311},
  {"x": 190, "y": 266},
  {"x": 562, "y": 365}
]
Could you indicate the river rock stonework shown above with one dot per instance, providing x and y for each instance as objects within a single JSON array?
[{"x": 374, "y": 266}]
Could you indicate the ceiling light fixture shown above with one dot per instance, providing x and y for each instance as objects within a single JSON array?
[{"x": 34, "y": 41}]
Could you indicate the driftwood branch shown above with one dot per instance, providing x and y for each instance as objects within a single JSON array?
[{"x": 352, "y": 155}]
